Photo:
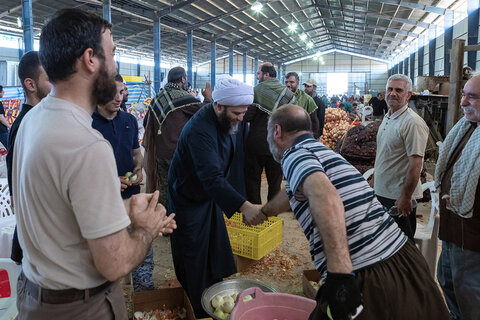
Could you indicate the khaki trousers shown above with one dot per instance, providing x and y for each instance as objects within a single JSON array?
[{"x": 108, "y": 304}]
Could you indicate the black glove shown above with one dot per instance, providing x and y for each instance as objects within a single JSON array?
[{"x": 341, "y": 294}]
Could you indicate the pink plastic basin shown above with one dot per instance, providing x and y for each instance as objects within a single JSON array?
[{"x": 270, "y": 306}]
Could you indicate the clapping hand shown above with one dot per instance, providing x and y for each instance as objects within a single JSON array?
[{"x": 207, "y": 93}]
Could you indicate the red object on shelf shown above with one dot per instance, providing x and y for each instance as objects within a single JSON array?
[{"x": 5, "y": 289}]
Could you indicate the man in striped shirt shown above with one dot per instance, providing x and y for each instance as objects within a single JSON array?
[{"x": 362, "y": 254}]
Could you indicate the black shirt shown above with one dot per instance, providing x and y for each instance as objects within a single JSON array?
[
  {"x": 11, "y": 139},
  {"x": 3, "y": 128},
  {"x": 17, "y": 253},
  {"x": 379, "y": 106}
]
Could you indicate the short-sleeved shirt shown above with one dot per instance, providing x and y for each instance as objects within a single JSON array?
[
  {"x": 3, "y": 128},
  {"x": 65, "y": 191},
  {"x": 373, "y": 235},
  {"x": 401, "y": 135},
  {"x": 122, "y": 133}
]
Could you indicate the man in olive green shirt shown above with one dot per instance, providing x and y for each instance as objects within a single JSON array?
[{"x": 303, "y": 100}]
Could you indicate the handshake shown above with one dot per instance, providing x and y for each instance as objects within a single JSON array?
[{"x": 252, "y": 213}]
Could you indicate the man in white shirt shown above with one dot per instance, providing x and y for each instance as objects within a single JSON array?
[
  {"x": 401, "y": 141},
  {"x": 72, "y": 222}
]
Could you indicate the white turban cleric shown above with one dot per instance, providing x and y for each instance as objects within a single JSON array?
[{"x": 232, "y": 92}]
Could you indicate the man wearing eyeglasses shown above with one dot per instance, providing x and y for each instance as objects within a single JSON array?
[
  {"x": 457, "y": 177},
  {"x": 401, "y": 142}
]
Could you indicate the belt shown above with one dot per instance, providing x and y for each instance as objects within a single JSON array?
[{"x": 63, "y": 296}]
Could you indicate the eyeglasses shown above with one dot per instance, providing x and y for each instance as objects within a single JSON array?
[{"x": 470, "y": 96}]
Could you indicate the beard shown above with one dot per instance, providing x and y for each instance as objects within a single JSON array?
[
  {"x": 105, "y": 88},
  {"x": 273, "y": 148},
  {"x": 226, "y": 124},
  {"x": 42, "y": 92}
]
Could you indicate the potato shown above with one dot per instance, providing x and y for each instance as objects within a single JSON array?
[
  {"x": 217, "y": 302},
  {"x": 247, "y": 298},
  {"x": 227, "y": 306}
]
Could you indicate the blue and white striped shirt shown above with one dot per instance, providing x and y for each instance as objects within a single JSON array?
[{"x": 372, "y": 234}]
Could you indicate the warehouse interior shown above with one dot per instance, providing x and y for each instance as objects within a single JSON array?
[{"x": 348, "y": 48}]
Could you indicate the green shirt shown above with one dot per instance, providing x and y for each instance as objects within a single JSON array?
[{"x": 303, "y": 100}]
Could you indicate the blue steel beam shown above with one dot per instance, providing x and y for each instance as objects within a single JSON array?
[
  {"x": 431, "y": 57},
  {"x": 412, "y": 66},
  {"x": 138, "y": 66},
  {"x": 400, "y": 67},
  {"x": 190, "y": 56},
  {"x": 230, "y": 60},
  {"x": 213, "y": 54},
  {"x": 156, "y": 55},
  {"x": 107, "y": 10},
  {"x": 245, "y": 67},
  {"x": 255, "y": 67},
  {"x": 448, "y": 34},
  {"x": 473, "y": 20},
  {"x": 405, "y": 67},
  {"x": 421, "y": 56},
  {"x": 27, "y": 22}
]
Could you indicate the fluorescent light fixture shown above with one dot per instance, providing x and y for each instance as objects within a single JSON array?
[
  {"x": 310, "y": 45},
  {"x": 19, "y": 22},
  {"x": 257, "y": 6},
  {"x": 292, "y": 26},
  {"x": 303, "y": 37}
]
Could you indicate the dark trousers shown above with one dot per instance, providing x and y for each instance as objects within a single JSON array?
[
  {"x": 4, "y": 139},
  {"x": 17, "y": 253},
  {"x": 254, "y": 164},
  {"x": 398, "y": 288},
  {"x": 407, "y": 224},
  {"x": 162, "y": 179}
]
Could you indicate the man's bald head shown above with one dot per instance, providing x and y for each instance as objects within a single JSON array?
[
  {"x": 291, "y": 119},
  {"x": 266, "y": 70},
  {"x": 284, "y": 126}
]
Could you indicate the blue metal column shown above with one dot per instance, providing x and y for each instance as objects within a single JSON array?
[
  {"x": 20, "y": 48},
  {"x": 230, "y": 61},
  {"x": 400, "y": 67},
  {"x": 139, "y": 63},
  {"x": 405, "y": 66},
  {"x": 432, "y": 46},
  {"x": 27, "y": 22},
  {"x": 447, "y": 43},
  {"x": 473, "y": 20},
  {"x": 107, "y": 10},
  {"x": 279, "y": 72},
  {"x": 255, "y": 67},
  {"x": 284, "y": 70},
  {"x": 421, "y": 54},
  {"x": 194, "y": 79},
  {"x": 412, "y": 66},
  {"x": 190, "y": 56},
  {"x": 213, "y": 62},
  {"x": 245, "y": 67},
  {"x": 157, "y": 77}
]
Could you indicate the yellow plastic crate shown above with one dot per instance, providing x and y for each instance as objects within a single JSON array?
[{"x": 256, "y": 241}]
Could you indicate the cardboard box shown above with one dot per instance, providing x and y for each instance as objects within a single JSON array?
[
  {"x": 310, "y": 275},
  {"x": 156, "y": 299}
]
